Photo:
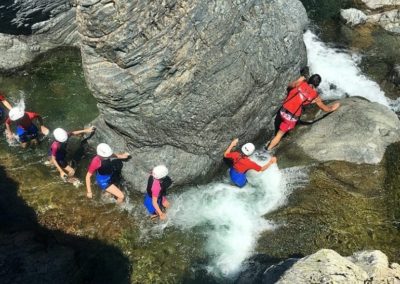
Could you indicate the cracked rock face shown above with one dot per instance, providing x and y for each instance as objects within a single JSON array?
[
  {"x": 358, "y": 132},
  {"x": 176, "y": 81},
  {"x": 32, "y": 27}
]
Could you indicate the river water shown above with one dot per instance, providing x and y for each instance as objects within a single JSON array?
[{"x": 211, "y": 228}]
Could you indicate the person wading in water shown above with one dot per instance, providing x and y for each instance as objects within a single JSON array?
[
  {"x": 302, "y": 93},
  {"x": 58, "y": 151},
  {"x": 103, "y": 167},
  {"x": 26, "y": 130},
  {"x": 155, "y": 199},
  {"x": 241, "y": 162}
]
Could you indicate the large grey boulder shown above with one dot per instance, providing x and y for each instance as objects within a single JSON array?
[
  {"x": 177, "y": 80},
  {"x": 327, "y": 266},
  {"x": 359, "y": 132},
  {"x": 33, "y": 27}
]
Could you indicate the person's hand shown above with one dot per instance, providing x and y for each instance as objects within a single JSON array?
[
  {"x": 273, "y": 160},
  {"x": 335, "y": 106},
  {"x": 90, "y": 129},
  {"x": 63, "y": 176},
  {"x": 45, "y": 131},
  {"x": 163, "y": 216},
  {"x": 235, "y": 141},
  {"x": 89, "y": 195},
  {"x": 71, "y": 173}
]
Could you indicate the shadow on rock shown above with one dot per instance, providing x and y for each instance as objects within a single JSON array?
[{"x": 30, "y": 253}]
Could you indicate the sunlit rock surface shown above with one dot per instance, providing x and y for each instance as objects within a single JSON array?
[
  {"x": 327, "y": 266},
  {"x": 358, "y": 132},
  {"x": 177, "y": 80}
]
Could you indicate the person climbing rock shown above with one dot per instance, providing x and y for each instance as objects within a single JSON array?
[
  {"x": 242, "y": 163},
  {"x": 58, "y": 151},
  {"x": 26, "y": 129},
  {"x": 155, "y": 199},
  {"x": 103, "y": 167},
  {"x": 302, "y": 92}
]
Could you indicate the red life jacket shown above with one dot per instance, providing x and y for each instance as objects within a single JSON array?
[{"x": 298, "y": 97}]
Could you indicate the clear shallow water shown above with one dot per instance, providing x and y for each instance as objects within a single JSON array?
[
  {"x": 54, "y": 87},
  {"x": 213, "y": 227}
]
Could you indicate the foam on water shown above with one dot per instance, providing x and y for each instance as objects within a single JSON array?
[
  {"x": 339, "y": 68},
  {"x": 230, "y": 217}
]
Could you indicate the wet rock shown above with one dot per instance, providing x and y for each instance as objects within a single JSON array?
[
  {"x": 327, "y": 266},
  {"x": 395, "y": 75},
  {"x": 358, "y": 132},
  {"x": 374, "y": 4},
  {"x": 35, "y": 27},
  {"x": 389, "y": 20},
  {"x": 353, "y": 17},
  {"x": 177, "y": 80}
]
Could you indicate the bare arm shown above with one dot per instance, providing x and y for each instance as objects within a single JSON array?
[
  {"x": 158, "y": 210},
  {"x": 233, "y": 144},
  {"x": 86, "y": 130},
  {"x": 7, "y": 104},
  {"x": 122, "y": 156},
  {"x": 8, "y": 130},
  {"x": 325, "y": 107},
  {"x": 61, "y": 171},
  {"x": 88, "y": 185},
  {"x": 267, "y": 165}
]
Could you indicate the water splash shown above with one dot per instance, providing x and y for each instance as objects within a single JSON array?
[
  {"x": 231, "y": 218},
  {"x": 340, "y": 73}
]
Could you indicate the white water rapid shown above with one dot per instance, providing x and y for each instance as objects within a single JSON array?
[
  {"x": 231, "y": 217},
  {"x": 340, "y": 73}
]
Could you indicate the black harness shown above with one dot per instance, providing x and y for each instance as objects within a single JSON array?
[{"x": 165, "y": 183}]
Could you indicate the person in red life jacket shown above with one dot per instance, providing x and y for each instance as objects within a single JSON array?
[
  {"x": 301, "y": 93},
  {"x": 4, "y": 101},
  {"x": 58, "y": 150},
  {"x": 155, "y": 199},
  {"x": 242, "y": 162},
  {"x": 26, "y": 130},
  {"x": 102, "y": 166}
]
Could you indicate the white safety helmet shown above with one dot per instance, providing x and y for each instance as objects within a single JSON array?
[
  {"x": 16, "y": 113},
  {"x": 248, "y": 149},
  {"x": 103, "y": 150},
  {"x": 60, "y": 135},
  {"x": 160, "y": 172}
]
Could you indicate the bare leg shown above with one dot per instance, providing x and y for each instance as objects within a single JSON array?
[
  {"x": 275, "y": 141},
  {"x": 116, "y": 192},
  {"x": 24, "y": 145}
]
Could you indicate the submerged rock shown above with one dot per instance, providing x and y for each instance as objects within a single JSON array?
[
  {"x": 177, "y": 80},
  {"x": 327, "y": 266},
  {"x": 358, "y": 132}
]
